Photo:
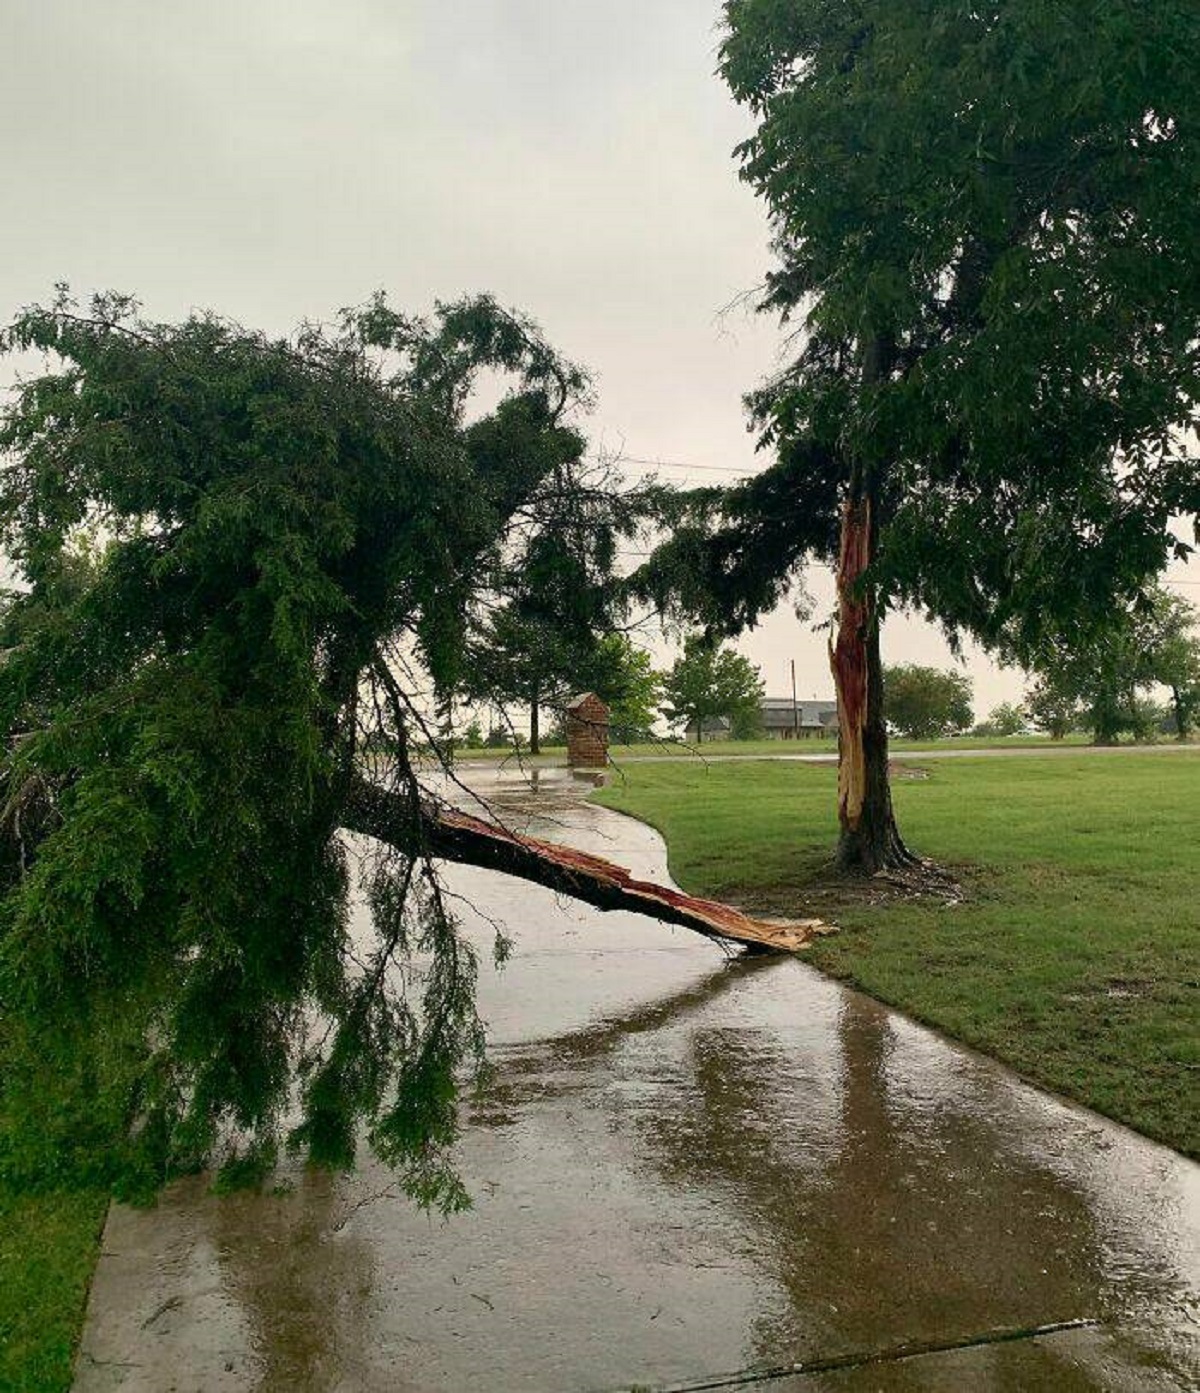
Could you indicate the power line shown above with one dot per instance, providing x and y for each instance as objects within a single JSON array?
[{"x": 681, "y": 464}]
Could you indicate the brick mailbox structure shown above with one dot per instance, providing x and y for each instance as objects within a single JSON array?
[{"x": 587, "y": 732}]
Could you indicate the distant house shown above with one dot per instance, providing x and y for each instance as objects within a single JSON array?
[{"x": 782, "y": 719}]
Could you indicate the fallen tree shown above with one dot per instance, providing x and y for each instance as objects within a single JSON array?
[
  {"x": 249, "y": 571},
  {"x": 451, "y": 835}
]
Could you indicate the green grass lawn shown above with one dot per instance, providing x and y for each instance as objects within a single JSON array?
[
  {"x": 1076, "y": 956},
  {"x": 48, "y": 1248}
]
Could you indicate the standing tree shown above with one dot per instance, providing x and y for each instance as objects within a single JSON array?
[
  {"x": 1053, "y": 706},
  {"x": 624, "y": 677},
  {"x": 1005, "y": 719},
  {"x": 1105, "y": 679},
  {"x": 984, "y": 222},
  {"x": 554, "y": 592},
  {"x": 709, "y": 681},
  {"x": 924, "y": 703},
  {"x": 1173, "y": 638}
]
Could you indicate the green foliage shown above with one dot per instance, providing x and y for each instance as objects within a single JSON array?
[
  {"x": 624, "y": 678},
  {"x": 923, "y": 702},
  {"x": 473, "y": 736},
  {"x": 1172, "y": 635},
  {"x": 708, "y": 681},
  {"x": 746, "y": 722},
  {"x": 1005, "y": 719},
  {"x": 555, "y": 589},
  {"x": 293, "y": 540},
  {"x": 985, "y": 232},
  {"x": 1103, "y": 680},
  {"x": 1053, "y": 707}
]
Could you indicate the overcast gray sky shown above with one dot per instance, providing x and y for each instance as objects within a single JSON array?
[{"x": 277, "y": 159}]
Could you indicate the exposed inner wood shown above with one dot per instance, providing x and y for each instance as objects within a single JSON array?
[
  {"x": 451, "y": 835},
  {"x": 848, "y": 660}
]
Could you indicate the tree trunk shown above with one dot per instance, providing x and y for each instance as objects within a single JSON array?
[
  {"x": 448, "y": 835},
  {"x": 1181, "y": 719},
  {"x": 535, "y": 738},
  {"x": 869, "y": 840},
  {"x": 1106, "y": 723}
]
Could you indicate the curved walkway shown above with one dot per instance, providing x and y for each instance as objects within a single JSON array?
[{"x": 689, "y": 1173}]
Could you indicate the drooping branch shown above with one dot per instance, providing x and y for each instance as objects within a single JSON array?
[{"x": 455, "y": 836}]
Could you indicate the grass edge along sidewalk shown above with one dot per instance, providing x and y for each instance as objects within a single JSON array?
[
  {"x": 49, "y": 1243},
  {"x": 1075, "y": 958}
]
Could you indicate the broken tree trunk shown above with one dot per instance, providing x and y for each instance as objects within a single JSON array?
[
  {"x": 450, "y": 835},
  {"x": 869, "y": 840}
]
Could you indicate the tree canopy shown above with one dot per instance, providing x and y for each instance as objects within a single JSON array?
[
  {"x": 925, "y": 702},
  {"x": 246, "y": 564},
  {"x": 624, "y": 677},
  {"x": 986, "y": 219},
  {"x": 1006, "y": 719},
  {"x": 1173, "y": 638},
  {"x": 1104, "y": 681},
  {"x": 1053, "y": 708},
  {"x": 551, "y": 631},
  {"x": 983, "y": 224}
]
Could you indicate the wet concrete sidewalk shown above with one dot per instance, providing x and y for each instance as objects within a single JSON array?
[{"x": 690, "y": 1173}]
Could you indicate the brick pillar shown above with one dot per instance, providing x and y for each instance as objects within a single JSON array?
[{"x": 587, "y": 732}]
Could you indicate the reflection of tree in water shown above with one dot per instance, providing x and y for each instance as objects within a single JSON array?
[
  {"x": 303, "y": 1286},
  {"x": 523, "y": 1072},
  {"x": 881, "y": 1213},
  {"x": 917, "y": 1226},
  {"x": 902, "y": 1221}
]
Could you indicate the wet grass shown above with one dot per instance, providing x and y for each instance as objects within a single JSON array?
[
  {"x": 1075, "y": 957},
  {"x": 48, "y": 1248}
]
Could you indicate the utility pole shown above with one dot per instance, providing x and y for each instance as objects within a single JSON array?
[{"x": 795, "y": 708}]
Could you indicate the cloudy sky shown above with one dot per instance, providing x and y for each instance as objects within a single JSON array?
[{"x": 277, "y": 159}]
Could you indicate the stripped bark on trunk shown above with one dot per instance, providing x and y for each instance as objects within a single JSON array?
[{"x": 869, "y": 840}]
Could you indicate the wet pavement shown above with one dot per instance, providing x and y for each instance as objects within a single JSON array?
[{"x": 689, "y": 1173}]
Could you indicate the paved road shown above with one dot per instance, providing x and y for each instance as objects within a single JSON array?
[
  {"x": 950, "y": 752},
  {"x": 689, "y": 1173},
  {"x": 479, "y": 768}
]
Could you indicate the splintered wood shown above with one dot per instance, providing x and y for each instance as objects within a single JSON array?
[
  {"x": 606, "y": 885},
  {"x": 848, "y": 660}
]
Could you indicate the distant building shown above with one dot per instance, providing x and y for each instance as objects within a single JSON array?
[{"x": 782, "y": 719}]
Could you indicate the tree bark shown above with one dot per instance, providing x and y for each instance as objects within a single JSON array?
[
  {"x": 869, "y": 840},
  {"x": 1182, "y": 724},
  {"x": 535, "y": 738},
  {"x": 445, "y": 834}
]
